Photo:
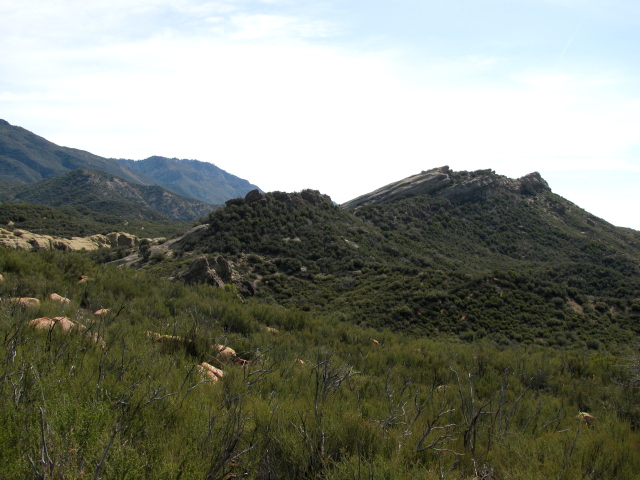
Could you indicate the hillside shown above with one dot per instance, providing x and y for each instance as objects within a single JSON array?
[
  {"x": 511, "y": 264},
  {"x": 121, "y": 374},
  {"x": 26, "y": 157},
  {"x": 102, "y": 193},
  {"x": 78, "y": 220},
  {"x": 192, "y": 178},
  {"x": 489, "y": 334}
]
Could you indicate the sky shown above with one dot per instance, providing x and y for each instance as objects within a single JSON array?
[{"x": 340, "y": 96}]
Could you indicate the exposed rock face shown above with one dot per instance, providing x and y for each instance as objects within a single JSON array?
[
  {"x": 458, "y": 187},
  {"x": 120, "y": 239},
  {"x": 201, "y": 271},
  {"x": 216, "y": 271},
  {"x": 23, "y": 240}
]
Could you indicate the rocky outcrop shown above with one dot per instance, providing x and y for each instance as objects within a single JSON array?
[
  {"x": 24, "y": 240},
  {"x": 428, "y": 182},
  {"x": 458, "y": 187},
  {"x": 216, "y": 271}
]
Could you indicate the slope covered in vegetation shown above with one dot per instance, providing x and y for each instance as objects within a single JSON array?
[
  {"x": 319, "y": 397},
  {"x": 514, "y": 268}
]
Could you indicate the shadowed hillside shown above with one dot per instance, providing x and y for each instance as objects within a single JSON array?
[
  {"x": 103, "y": 193},
  {"x": 192, "y": 178}
]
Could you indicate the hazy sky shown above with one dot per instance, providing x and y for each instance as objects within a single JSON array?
[{"x": 342, "y": 96}]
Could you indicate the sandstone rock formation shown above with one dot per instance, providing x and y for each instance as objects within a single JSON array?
[
  {"x": 54, "y": 297},
  {"x": 26, "y": 302},
  {"x": 216, "y": 271},
  {"x": 458, "y": 187},
  {"x": 209, "y": 371},
  {"x": 24, "y": 240}
]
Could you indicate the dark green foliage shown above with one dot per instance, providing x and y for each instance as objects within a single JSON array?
[
  {"x": 79, "y": 220},
  {"x": 104, "y": 194},
  {"x": 399, "y": 408},
  {"x": 513, "y": 268}
]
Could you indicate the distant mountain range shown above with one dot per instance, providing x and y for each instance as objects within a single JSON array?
[
  {"x": 26, "y": 158},
  {"x": 191, "y": 178}
]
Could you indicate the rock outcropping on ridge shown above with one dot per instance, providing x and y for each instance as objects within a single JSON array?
[{"x": 456, "y": 186}]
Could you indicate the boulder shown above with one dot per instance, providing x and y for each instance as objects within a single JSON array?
[
  {"x": 48, "y": 323},
  {"x": 210, "y": 372},
  {"x": 121, "y": 239},
  {"x": 226, "y": 353},
  {"x": 54, "y": 297},
  {"x": 218, "y": 272},
  {"x": 586, "y": 419},
  {"x": 200, "y": 271},
  {"x": 26, "y": 302}
]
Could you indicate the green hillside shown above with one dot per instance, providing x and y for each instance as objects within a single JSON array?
[
  {"x": 79, "y": 220},
  {"x": 26, "y": 157},
  {"x": 513, "y": 268},
  {"x": 453, "y": 325},
  {"x": 103, "y": 193},
  {"x": 319, "y": 398}
]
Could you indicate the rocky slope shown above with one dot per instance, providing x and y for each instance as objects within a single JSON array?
[
  {"x": 23, "y": 240},
  {"x": 457, "y": 187}
]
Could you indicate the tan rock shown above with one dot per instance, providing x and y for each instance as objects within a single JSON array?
[
  {"x": 26, "y": 302},
  {"x": 210, "y": 371},
  {"x": 54, "y": 297},
  {"x": 586, "y": 419},
  {"x": 225, "y": 352},
  {"x": 48, "y": 323}
]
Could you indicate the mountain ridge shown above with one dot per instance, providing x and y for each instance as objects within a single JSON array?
[
  {"x": 105, "y": 193},
  {"x": 456, "y": 186},
  {"x": 191, "y": 178},
  {"x": 508, "y": 259},
  {"x": 26, "y": 158}
]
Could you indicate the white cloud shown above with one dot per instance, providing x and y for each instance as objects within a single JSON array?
[{"x": 260, "y": 95}]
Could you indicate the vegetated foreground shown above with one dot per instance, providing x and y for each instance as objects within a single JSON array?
[{"x": 125, "y": 393}]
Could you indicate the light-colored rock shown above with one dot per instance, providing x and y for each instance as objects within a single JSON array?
[
  {"x": 26, "y": 302},
  {"x": 586, "y": 419},
  {"x": 48, "y": 323},
  {"x": 456, "y": 186},
  {"x": 24, "y": 240},
  {"x": 101, "y": 313},
  {"x": 121, "y": 239},
  {"x": 209, "y": 371},
  {"x": 54, "y": 297},
  {"x": 225, "y": 352},
  {"x": 427, "y": 182}
]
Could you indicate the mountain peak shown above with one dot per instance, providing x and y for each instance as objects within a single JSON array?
[{"x": 458, "y": 187}]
